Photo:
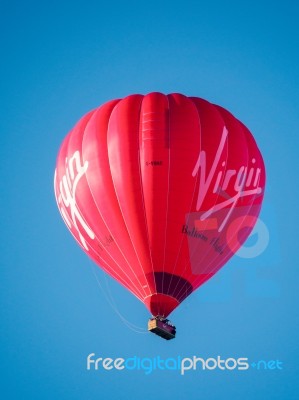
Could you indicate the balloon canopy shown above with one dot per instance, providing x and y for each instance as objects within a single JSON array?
[{"x": 160, "y": 191}]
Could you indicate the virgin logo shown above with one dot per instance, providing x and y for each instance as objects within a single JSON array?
[
  {"x": 245, "y": 182},
  {"x": 66, "y": 197}
]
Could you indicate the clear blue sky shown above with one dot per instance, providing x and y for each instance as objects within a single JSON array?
[{"x": 59, "y": 59}]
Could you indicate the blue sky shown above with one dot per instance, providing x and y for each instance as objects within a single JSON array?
[{"x": 61, "y": 59}]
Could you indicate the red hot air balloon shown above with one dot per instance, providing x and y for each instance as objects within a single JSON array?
[{"x": 160, "y": 191}]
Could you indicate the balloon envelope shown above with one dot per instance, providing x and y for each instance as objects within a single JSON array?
[{"x": 160, "y": 191}]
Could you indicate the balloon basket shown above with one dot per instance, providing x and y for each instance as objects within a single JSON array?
[{"x": 162, "y": 327}]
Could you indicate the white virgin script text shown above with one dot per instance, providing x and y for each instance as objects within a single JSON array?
[
  {"x": 67, "y": 196},
  {"x": 244, "y": 178}
]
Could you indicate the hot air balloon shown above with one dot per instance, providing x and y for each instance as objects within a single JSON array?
[{"x": 160, "y": 191}]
